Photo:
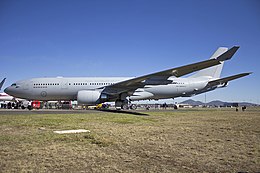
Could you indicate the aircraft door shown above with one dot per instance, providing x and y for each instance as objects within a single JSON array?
[
  {"x": 64, "y": 84},
  {"x": 183, "y": 87},
  {"x": 26, "y": 85}
]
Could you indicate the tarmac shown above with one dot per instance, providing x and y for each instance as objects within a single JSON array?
[
  {"x": 43, "y": 111},
  {"x": 67, "y": 111}
]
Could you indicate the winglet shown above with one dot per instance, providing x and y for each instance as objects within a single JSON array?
[
  {"x": 228, "y": 54},
  {"x": 2, "y": 83}
]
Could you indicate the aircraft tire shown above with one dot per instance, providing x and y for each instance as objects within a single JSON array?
[
  {"x": 133, "y": 106},
  {"x": 29, "y": 107},
  {"x": 124, "y": 107}
]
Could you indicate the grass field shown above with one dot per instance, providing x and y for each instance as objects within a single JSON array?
[{"x": 203, "y": 140}]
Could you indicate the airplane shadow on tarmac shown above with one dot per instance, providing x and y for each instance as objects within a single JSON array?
[{"x": 123, "y": 112}]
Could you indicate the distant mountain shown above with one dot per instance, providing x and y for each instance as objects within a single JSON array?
[
  {"x": 192, "y": 102},
  {"x": 247, "y": 104},
  {"x": 216, "y": 103}
]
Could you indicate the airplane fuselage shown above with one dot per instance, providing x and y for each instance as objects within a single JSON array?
[{"x": 62, "y": 88}]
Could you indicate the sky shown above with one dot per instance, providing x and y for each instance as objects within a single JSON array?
[{"x": 130, "y": 38}]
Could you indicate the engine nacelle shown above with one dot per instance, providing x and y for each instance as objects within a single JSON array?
[{"x": 88, "y": 97}]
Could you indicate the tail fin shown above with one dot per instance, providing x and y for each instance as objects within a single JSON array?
[
  {"x": 2, "y": 83},
  {"x": 214, "y": 71}
]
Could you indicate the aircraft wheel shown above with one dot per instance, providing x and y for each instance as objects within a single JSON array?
[
  {"x": 29, "y": 107},
  {"x": 133, "y": 106},
  {"x": 124, "y": 106}
]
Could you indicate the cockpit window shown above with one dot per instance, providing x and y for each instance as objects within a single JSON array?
[{"x": 14, "y": 84}]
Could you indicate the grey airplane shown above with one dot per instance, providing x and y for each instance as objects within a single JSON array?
[{"x": 123, "y": 90}]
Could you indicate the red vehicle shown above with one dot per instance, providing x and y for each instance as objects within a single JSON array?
[{"x": 36, "y": 104}]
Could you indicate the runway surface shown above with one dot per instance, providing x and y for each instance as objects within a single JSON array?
[
  {"x": 42, "y": 111},
  {"x": 60, "y": 111}
]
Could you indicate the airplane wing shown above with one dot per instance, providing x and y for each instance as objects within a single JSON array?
[
  {"x": 161, "y": 78},
  {"x": 225, "y": 80},
  {"x": 2, "y": 83}
]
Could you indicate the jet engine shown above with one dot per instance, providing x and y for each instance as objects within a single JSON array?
[{"x": 88, "y": 97}]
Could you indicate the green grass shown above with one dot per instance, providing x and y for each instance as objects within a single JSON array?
[{"x": 193, "y": 140}]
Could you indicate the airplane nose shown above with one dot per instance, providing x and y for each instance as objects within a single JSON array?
[{"x": 7, "y": 90}]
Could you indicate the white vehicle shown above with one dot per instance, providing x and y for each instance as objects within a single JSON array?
[{"x": 159, "y": 85}]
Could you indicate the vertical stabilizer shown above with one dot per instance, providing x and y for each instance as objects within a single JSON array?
[
  {"x": 214, "y": 71},
  {"x": 2, "y": 83}
]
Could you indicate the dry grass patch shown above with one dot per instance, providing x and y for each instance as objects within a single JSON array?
[{"x": 205, "y": 140}]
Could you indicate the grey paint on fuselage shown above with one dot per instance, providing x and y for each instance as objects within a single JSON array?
[
  {"x": 67, "y": 88},
  {"x": 59, "y": 88}
]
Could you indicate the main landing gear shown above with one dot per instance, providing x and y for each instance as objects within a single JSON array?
[{"x": 125, "y": 105}]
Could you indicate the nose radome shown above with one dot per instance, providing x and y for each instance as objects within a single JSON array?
[{"x": 7, "y": 90}]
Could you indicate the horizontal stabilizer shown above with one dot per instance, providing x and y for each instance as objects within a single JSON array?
[
  {"x": 2, "y": 83},
  {"x": 226, "y": 79}
]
